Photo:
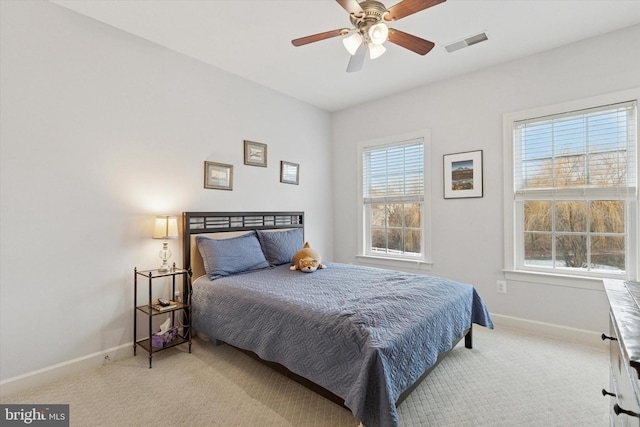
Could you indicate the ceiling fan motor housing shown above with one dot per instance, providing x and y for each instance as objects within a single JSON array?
[{"x": 373, "y": 13}]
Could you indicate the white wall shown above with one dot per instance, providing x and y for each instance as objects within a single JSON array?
[
  {"x": 100, "y": 131},
  {"x": 465, "y": 114}
]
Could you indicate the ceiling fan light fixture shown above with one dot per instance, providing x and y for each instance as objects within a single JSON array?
[
  {"x": 352, "y": 42},
  {"x": 376, "y": 50},
  {"x": 369, "y": 30},
  {"x": 378, "y": 33}
]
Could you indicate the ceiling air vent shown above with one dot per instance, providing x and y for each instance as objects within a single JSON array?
[{"x": 469, "y": 41}]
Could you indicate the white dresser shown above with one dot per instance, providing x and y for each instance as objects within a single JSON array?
[{"x": 624, "y": 345}]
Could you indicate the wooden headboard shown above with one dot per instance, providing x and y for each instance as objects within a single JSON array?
[{"x": 230, "y": 223}]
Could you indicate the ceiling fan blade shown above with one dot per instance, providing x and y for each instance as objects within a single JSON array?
[
  {"x": 357, "y": 60},
  {"x": 411, "y": 42},
  {"x": 321, "y": 36},
  {"x": 351, "y": 6},
  {"x": 409, "y": 7}
]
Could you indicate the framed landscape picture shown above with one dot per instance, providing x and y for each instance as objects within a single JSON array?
[
  {"x": 289, "y": 172},
  {"x": 255, "y": 154},
  {"x": 218, "y": 176},
  {"x": 463, "y": 175}
]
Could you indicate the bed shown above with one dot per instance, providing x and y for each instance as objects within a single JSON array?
[{"x": 362, "y": 336}]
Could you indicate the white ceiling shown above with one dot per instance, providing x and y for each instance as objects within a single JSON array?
[{"x": 252, "y": 39}]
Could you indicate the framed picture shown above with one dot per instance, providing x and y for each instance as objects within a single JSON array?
[
  {"x": 289, "y": 172},
  {"x": 255, "y": 154},
  {"x": 463, "y": 175},
  {"x": 218, "y": 176}
]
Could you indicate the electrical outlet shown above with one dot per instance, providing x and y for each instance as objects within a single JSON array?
[{"x": 502, "y": 287}]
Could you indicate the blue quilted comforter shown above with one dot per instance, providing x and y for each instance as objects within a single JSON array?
[{"x": 363, "y": 333}]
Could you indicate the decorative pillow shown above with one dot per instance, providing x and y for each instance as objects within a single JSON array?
[
  {"x": 224, "y": 257},
  {"x": 280, "y": 246}
]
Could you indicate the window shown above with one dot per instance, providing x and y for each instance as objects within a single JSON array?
[
  {"x": 393, "y": 199},
  {"x": 573, "y": 192}
]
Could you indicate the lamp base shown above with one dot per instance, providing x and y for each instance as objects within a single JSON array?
[
  {"x": 165, "y": 267},
  {"x": 164, "y": 254}
]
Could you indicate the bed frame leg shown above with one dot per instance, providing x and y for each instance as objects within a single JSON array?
[{"x": 468, "y": 339}]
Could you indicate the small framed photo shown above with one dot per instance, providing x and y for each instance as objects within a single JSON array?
[
  {"x": 255, "y": 154},
  {"x": 463, "y": 175},
  {"x": 289, "y": 172},
  {"x": 218, "y": 176}
]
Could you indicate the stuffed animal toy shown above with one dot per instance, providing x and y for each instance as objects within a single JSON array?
[{"x": 307, "y": 260}]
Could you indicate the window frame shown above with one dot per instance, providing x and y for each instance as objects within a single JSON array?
[
  {"x": 514, "y": 267},
  {"x": 418, "y": 262}
]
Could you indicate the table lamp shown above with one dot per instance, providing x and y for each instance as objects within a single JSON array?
[{"x": 166, "y": 227}]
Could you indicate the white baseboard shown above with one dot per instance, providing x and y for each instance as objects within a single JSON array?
[
  {"x": 558, "y": 331},
  {"x": 64, "y": 369}
]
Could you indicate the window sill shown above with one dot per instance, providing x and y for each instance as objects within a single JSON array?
[
  {"x": 385, "y": 262},
  {"x": 580, "y": 282}
]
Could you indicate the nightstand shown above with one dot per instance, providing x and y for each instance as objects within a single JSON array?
[{"x": 147, "y": 312}]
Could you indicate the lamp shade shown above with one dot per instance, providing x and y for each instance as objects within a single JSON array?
[
  {"x": 166, "y": 227},
  {"x": 378, "y": 33},
  {"x": 376, "y": 50},
  {"x": 352, "y": 43}
]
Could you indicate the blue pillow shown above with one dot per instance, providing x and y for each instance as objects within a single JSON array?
[
  {"x": 280, "y": 246},
  {"x": 235, "y": 255}
]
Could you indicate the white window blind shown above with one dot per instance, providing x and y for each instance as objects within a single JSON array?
[
  {"x": 394, "y": 174},
  {"x": 580, "y": 152}
]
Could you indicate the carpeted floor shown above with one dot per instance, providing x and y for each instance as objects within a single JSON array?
[{"x": 510, "y": 378}]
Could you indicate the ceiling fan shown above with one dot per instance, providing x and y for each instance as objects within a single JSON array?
[{"x": 370, "y": 31}]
